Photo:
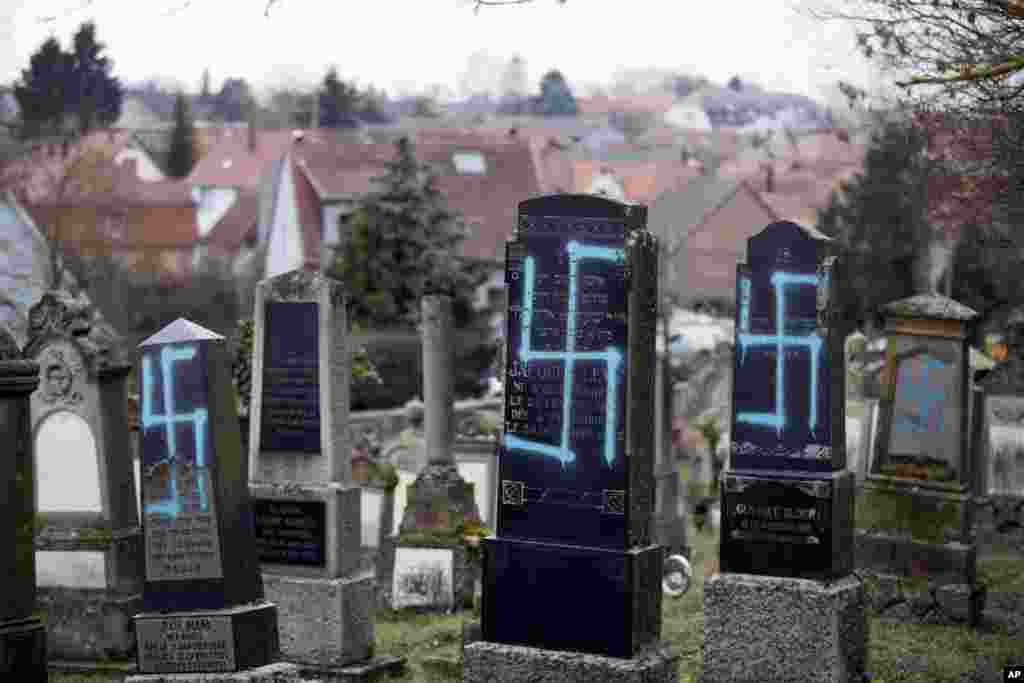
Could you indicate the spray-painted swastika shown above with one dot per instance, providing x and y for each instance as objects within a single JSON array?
[
  {"x": 171, "y": 504},
  {"x": 781, "y": 281},
  {"x": 611, "y": 356}
]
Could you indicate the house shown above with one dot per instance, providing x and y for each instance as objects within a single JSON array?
[
  {"x": 704, "y": 228},
  {"x": 25, "y": 268}
]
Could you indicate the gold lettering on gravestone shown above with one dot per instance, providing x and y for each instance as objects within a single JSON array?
[{"x": 199, "y": 644}]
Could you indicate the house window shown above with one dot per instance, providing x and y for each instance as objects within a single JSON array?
[{"x": 469, "y": 163}]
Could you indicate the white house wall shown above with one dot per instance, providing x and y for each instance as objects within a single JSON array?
[
  {"x": 213, "y": 204},
  {"x": 284, "y": 251}
]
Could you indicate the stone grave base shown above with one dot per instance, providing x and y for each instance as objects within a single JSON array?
[
  {"x": 485, "y": 662},
  {"x": 233, "y": 639},
  {"x": 765, "y": 628},
  {"x": 23, "y": 650},
  {"x": 269, "y": 673},
  {"x": 89, "y": 624},
  {"x": 375, "y": 669},
  {"x": 323, "y": 622},
  {"x": 941, "y": 562},
  {"x": 544, "y": 594},
  {"x": 923, "y": 600}
]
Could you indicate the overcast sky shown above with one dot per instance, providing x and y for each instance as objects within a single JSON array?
[{"x": 406, "y": 45}]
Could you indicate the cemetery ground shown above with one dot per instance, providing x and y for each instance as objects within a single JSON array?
[{"x": 898, "y": 651}]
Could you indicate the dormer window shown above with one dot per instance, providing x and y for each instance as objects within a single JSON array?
[{"x": 469, "y": 163}]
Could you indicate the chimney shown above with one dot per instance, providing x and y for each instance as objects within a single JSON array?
[{"x": 252, "y": 135}]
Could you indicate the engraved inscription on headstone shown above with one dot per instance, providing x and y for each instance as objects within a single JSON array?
[
  {"x": 764, "y": 510},
  {"x": 290, "y": 413},
  {"x": 291, "y": 531},
  {"x": 181, "y": 533},
  {"x": 185, "y": 644},
  {"x": 781, "y": 397},
  {"x": 565, "y": 416}
]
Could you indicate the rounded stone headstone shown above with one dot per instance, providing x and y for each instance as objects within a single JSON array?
[{"x": 66, "y": 465}]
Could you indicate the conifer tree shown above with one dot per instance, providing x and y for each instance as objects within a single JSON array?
[
  {"x": 181, "y": 156},
  {"x": 402, "y": 242},
  {"x": 881, "y": 219}
]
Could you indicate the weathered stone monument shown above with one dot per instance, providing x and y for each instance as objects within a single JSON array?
[
  {"x": 998, "y": 441},
  {"x": 914, "y": 516},
  {"x": 430, "y": 567},
  {"x": 307, "y": 507},
  {"x": 89, "y": 543},
  {"x": 669, "y": 528},
  {"x": 203, "y": 596},
  {"x": 22, "y": 634},
  {"x": 786, "y": 606},
  {"x": 571, "y": 580}
]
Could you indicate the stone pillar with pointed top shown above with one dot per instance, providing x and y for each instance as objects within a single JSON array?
[
  {"x": 786, "y": 550},
  {"x": 440, "y": 503},
  {"x": 22, "y": 634},
  {"x": 915, "y": 513},
  {"x": 203, "y": 597},
  {"x": 89, "y": 544},
  {"x": 307, "y": 507}
]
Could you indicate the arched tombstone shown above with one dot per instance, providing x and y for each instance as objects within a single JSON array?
[{"x": 89, "y": 542}]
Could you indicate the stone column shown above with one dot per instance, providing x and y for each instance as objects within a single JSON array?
[
  {"x": 437, "y": 329},
  {"x": 22, "y": 635},
  {"x": 440, "y": 502}
]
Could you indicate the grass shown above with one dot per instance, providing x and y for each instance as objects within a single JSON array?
[{"x": 897, "y": 652}]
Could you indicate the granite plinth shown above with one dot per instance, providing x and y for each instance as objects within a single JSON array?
[
  {"x": 545, "y": 595},
  {"x": 486, "y": 662},
  {"x": 279, "y": 672},
  {"x": 83, "y": 623},
  {"x": 324, "y": 622},
  {"x": 23, "y": 651},
  {"x": 207, "y": 641},
  {"x": 788, "y": 525},
  {"x": 761, "y": 628},
  {"x": 942, "y": 563}
]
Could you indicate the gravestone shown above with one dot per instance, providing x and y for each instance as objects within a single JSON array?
[
  {"x": 999, "y": 440},
  {"x": 571, "y": 574},
  {"x": 786, "y": 552},
  {"x": 89, "y": 547},
  {"x": 22, "y": 634},
  {"x": 203, "y": 597},
  {"x": 308, "y": 525},
  {"x": 914, "y": 515},
  {"x": 430, "y": 566},
  {"x": 669, "y": 506}
]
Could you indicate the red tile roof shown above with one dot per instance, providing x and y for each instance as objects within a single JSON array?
[
  {"x": 238, "y": 224},
  {"x": 642, "y": 181}
]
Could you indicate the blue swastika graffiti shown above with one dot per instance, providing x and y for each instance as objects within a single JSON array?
[
  {"x": 171, "y": 505},
  {"x": 922, "y": 392},
  {"x": 780, "y": 282},
  {"x": 611, "y": 356}
]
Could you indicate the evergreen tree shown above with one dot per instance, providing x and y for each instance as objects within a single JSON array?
[
  {"x": 339, "y": 102},
  {"x": 204, "y": 87},
  {"x": 880, "y": 217},
  {"x": 401, "y": 243},
  {"x": 234, "y": 101},
  {"x": 181, "y": 156},
  {"x": 68, "y": 92},
  {"x": 97, "y": 95},
  {"x": 41, "y": 92},
  {"x": 556, "y": 98}
]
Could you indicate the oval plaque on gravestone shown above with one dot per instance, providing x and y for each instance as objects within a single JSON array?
[{"x": 290, "y": 400}]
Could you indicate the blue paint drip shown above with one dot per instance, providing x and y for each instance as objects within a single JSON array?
[
  {"x": 611, "y": 356},
  {"x": 780, "y": 340},
  {"x": 168, "y": 357}
]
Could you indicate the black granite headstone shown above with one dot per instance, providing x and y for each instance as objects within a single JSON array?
[
  {"x": 787, "y": 503},
  {"x": 572, "y": 566},
  {"x": 290, "y": 415},
  {"x": 783, "y": 395},
  {"x": 563, "y": 469},
  {"x": 291, "y": 531}
]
